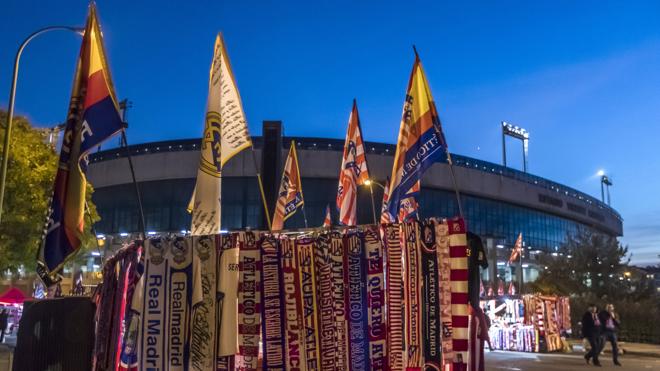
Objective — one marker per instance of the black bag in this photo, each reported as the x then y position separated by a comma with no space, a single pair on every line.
55,334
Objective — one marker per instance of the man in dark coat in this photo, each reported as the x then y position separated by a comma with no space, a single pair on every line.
591,330
609,324
4,319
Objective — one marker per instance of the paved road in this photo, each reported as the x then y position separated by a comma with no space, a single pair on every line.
514,361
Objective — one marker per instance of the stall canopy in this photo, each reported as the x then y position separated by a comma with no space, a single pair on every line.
12,296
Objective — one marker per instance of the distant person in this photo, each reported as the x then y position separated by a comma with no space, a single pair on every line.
591,330
610,324
4,318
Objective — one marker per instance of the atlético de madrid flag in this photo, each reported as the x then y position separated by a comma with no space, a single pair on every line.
92,118
290,196
225,135
353,170
420,142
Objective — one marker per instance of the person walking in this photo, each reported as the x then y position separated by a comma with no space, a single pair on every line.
610,324
4,318
591,330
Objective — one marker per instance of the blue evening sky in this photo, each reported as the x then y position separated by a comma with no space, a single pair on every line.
582,76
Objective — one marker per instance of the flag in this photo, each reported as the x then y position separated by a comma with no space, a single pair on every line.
225,135
353,170
517,250
420,142
327,223
408,207
500,287
512,288
290,195
93,117
385,216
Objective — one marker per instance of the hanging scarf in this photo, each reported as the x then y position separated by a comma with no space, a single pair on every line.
228,273
128,360
339,300
444,272
153,328
459,291
431,324
412,296
355,275
376,294
293,307
249,304
304,248
326,319
203,336
393,272
179,302
273,305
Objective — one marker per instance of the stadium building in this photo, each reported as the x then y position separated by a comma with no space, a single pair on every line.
498,202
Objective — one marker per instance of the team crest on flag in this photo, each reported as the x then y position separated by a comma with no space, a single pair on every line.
420,142
225,135
93,117
290,195
354,171
408,207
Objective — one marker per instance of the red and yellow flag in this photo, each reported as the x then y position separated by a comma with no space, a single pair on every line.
290,195
420,142
93,117
354,171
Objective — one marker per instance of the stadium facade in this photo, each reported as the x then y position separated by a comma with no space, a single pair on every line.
498,202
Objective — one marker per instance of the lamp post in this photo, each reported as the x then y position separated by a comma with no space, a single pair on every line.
12,95
369,183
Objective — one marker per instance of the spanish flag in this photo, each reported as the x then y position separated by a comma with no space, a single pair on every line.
290,196
517,250
225,135
420,142
93,117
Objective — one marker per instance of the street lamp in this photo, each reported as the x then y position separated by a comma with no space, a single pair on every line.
12,95
369,184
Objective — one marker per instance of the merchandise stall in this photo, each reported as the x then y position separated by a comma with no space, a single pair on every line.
12,301
528,323
306,300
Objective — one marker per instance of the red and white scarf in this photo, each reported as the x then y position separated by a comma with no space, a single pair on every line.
394,287
249,304
376,294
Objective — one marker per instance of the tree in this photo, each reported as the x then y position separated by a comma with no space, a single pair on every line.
29,186
591,262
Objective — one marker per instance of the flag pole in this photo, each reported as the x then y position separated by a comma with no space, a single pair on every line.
125,105
373,207
261,189
455,183
520,283
304,215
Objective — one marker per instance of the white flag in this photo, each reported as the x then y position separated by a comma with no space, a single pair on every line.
225,135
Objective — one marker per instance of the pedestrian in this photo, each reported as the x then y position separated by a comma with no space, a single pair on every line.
591,330
4,318
610,324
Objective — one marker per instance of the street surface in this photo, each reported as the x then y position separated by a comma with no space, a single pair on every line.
515,361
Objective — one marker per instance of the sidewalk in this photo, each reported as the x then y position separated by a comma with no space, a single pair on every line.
5,357
638,349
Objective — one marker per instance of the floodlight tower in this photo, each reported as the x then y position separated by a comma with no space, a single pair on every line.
518,133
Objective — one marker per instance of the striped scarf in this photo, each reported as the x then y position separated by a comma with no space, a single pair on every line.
356,302
393,272
459,291
376,294
249,304
273,306
412,296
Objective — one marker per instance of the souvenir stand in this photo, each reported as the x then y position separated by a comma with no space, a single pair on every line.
527,323
312,300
